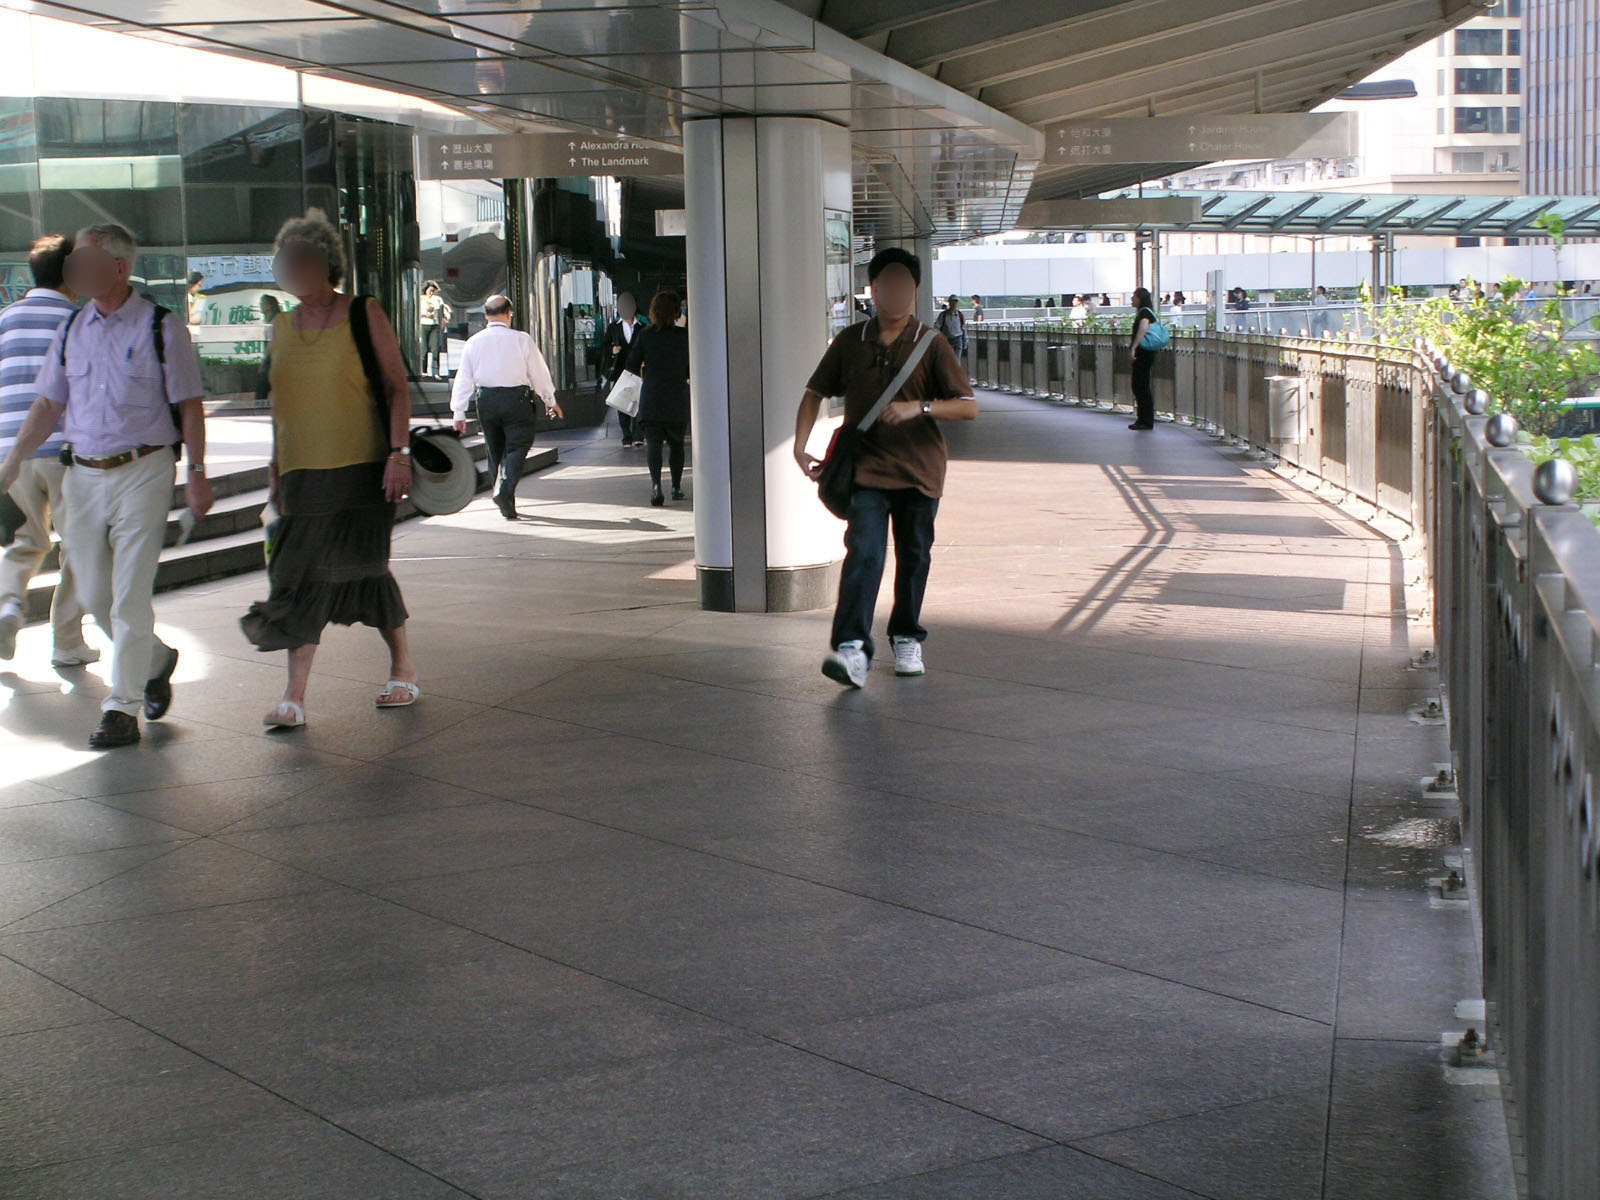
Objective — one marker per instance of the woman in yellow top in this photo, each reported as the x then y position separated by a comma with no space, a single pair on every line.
337,470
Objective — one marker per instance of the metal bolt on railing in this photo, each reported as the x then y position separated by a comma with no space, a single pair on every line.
1429,713
1471,1049
1453,885
1425,661
1501,430
1555,481
1443,781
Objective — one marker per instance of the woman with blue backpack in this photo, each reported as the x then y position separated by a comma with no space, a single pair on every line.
1150,336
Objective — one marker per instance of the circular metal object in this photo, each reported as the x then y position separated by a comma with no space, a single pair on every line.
1501,429
1555,481
1477,402
1461,383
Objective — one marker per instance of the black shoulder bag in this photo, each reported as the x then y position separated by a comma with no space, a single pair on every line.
838,478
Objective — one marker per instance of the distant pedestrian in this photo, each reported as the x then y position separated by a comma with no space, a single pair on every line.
1145,318
660,357
953,326
27,328
505,370
618,342
435,333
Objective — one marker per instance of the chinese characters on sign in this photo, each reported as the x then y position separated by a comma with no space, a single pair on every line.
1201,138
540,155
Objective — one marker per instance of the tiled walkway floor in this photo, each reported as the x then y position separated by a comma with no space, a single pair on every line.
1125,899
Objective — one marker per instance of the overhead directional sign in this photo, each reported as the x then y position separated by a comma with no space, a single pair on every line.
1200,139
1119,213
541,155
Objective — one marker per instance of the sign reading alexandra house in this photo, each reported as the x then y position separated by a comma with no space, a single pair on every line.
540,155
1201,139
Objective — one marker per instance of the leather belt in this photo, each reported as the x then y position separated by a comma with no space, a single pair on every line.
116,460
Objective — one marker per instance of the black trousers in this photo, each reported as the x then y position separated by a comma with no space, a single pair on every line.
1144,393
626,423
507,417
656,432
433,349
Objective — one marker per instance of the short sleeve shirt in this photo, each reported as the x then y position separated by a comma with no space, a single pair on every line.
909,455
116,392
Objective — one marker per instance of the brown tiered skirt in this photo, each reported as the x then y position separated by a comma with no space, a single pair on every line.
330,559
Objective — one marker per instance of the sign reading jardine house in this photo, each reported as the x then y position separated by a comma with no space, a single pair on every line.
540,155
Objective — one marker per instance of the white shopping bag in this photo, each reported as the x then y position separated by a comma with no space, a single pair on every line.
624,395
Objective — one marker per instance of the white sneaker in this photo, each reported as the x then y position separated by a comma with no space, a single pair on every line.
10,622
908,656
848,664
77,656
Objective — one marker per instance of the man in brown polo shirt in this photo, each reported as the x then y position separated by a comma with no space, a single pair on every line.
900,468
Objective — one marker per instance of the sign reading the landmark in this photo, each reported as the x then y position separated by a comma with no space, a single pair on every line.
1119,213
539,156
1200,139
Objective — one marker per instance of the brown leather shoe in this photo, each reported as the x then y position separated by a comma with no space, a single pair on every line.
116,729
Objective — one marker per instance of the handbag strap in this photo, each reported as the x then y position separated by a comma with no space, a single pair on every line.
899,381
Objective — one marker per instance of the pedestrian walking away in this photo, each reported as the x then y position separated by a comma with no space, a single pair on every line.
27,328
900,466
660,357
341,459
503,368
124,376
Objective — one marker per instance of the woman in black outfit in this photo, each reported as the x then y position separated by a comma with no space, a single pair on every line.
660,356
1144,396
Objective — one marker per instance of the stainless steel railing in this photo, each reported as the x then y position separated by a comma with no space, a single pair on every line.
1514,571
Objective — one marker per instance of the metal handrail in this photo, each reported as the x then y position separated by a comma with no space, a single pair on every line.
1513,570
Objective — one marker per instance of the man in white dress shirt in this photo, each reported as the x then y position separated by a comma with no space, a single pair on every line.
504,368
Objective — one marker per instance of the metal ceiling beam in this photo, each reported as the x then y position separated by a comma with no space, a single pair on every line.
1279,222
1477,221
1157,32
1132,76
1250,210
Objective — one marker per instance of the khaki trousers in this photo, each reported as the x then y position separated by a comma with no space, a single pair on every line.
116,522
38,495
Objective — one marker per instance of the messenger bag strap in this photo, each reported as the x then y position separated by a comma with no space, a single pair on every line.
899,381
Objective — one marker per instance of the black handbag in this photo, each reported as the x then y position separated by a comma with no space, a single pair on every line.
837,480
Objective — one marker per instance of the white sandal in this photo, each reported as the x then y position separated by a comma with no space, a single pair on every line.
288,715
412,691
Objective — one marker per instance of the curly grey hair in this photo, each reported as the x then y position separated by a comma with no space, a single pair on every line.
315,230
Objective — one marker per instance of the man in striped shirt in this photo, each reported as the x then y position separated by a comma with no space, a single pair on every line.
26,331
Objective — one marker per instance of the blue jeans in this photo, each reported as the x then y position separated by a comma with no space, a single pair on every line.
873,513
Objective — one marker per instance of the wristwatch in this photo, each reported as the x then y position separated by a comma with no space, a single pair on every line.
197,468
400,450
927,408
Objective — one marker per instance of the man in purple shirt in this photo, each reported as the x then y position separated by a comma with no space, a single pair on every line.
126,401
